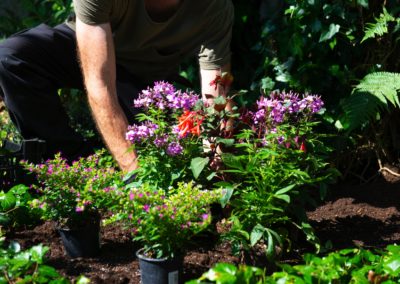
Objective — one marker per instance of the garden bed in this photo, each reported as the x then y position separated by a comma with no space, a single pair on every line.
358,215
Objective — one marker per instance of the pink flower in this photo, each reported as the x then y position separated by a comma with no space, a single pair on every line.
146,207
79,209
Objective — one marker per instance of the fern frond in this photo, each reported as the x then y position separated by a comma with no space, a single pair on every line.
380,27
359,109
373,95
383,85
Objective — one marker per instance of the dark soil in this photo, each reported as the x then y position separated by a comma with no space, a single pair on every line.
362,215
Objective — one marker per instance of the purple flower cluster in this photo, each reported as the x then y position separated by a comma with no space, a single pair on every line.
161,141
139,133
164,95
280,106
174,149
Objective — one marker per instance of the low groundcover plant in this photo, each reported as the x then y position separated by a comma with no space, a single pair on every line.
164,222
71,194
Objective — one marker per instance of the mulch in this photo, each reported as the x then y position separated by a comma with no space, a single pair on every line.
353,215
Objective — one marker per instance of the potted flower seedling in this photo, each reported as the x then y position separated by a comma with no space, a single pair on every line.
164,222
73,196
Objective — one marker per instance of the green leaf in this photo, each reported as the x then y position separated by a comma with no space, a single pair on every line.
394,249
48,271
38,252
392,265
285,189
83,280
328,34
363,3
227,142
197,165
256,234
14,246
19,189
4,219
227,191
7,201
283,197
270,246
211,176
232,161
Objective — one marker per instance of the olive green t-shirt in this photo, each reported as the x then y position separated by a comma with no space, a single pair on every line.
153,50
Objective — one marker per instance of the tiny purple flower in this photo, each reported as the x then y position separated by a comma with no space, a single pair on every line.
174,149
204,216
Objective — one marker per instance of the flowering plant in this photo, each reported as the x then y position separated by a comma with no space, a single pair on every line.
171,132
277,153
72,194
165,221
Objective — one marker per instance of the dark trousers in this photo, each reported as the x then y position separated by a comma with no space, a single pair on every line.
34,64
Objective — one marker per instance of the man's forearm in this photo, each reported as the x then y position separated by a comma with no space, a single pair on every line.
96,52
112,125
209,92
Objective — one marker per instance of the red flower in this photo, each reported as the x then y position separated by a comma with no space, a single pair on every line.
189,122
224,81
303,147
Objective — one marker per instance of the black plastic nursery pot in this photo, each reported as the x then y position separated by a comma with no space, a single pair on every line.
160,271
81,242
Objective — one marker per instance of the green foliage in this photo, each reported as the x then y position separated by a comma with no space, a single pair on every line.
224,273
7,129
314,46
381,25
78,111
383,85
344,266
26,266
15,209
375,94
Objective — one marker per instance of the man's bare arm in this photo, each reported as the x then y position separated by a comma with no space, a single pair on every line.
96,52
210,92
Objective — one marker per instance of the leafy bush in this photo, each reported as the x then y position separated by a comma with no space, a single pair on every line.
15,209
164,221
345,266
69,193
27,266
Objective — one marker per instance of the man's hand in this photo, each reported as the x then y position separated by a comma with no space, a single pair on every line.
97,56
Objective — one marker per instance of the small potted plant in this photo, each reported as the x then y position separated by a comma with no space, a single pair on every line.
73,196
164,222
